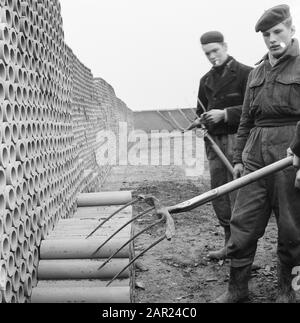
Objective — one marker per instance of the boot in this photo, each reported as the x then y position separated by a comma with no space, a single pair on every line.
221,254
238,291
286,294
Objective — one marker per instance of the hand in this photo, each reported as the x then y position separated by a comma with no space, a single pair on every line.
238,171
214,116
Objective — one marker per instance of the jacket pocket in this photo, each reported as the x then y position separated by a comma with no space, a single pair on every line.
256,86
286,93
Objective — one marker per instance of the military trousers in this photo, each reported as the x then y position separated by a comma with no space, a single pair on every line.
256,202
220,175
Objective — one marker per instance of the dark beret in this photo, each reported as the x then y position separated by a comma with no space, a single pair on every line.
273,17
212,37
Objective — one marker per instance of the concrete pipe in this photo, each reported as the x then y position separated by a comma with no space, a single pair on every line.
11,175
36,257
18,256
10,197
25,249
16,217
9,92
12,54
21,42
4,247
21,295
14,132
27,228
7,294
21,233
5,16
16,114
19,62
16,22
4,156
19,194
34,222
31,241
7,221
10,265
24,26
104,199
97,295
34,278
13,239
22,126
80,249
26,169
80,269
24,186
7,111
19,93
3,275
2,93
2,186
29,263
12,153
1,227
4,33
21,151
16,281
13,38
10,74
23,271
28,205
20,174
2,71
28,285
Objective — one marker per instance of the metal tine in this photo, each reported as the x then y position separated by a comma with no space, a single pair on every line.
124,226
113,215
136,258
128,242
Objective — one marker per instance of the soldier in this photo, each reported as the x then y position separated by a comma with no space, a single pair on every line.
270,113
221,94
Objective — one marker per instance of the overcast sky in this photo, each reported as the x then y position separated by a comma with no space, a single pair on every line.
149,50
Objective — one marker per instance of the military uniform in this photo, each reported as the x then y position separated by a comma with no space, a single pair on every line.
271,111
270,114
223,88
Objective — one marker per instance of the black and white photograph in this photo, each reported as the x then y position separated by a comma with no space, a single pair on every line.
149,155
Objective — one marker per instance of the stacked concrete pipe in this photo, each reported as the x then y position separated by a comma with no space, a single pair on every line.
49,119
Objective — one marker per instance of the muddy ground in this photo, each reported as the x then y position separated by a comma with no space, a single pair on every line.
179,271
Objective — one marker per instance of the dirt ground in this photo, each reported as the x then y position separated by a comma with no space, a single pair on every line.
179,271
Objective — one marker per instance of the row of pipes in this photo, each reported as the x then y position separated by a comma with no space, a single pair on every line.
50,112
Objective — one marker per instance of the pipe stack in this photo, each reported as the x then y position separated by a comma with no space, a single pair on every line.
69,268
38,158
49,119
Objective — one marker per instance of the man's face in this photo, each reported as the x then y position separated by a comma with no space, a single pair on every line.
216,53
278,39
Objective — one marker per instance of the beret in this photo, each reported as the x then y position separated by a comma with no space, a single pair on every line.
212,37
273,17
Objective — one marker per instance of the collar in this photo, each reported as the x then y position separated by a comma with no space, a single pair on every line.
227,63
292,51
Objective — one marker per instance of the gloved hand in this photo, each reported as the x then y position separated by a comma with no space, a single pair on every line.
238,171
